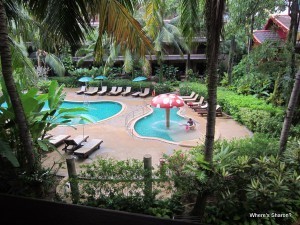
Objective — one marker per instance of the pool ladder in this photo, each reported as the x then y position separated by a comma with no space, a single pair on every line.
141,110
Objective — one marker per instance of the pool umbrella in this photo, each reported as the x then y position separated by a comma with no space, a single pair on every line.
167,101
101,77
140,78
82,119
85,80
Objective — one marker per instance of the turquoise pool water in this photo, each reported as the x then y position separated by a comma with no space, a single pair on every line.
154,126
95,110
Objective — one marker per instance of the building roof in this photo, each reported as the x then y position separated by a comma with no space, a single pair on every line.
261,36
282,21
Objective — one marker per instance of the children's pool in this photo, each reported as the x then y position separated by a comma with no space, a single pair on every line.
154,126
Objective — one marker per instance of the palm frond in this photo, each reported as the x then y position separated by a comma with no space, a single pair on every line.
189,17
20,61
146,66
128,61
66,19
88,56
6,151
154,18
55,63
85,50
117,22
112,55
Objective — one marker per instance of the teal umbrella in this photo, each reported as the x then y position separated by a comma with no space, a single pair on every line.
101,77
85,80
140,78
82,119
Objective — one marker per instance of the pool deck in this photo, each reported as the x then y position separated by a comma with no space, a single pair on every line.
120,141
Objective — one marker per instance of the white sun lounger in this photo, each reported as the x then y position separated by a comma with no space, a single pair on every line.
82,90
88,148
126,92
188,96
58,140
72,144
93,91
103,90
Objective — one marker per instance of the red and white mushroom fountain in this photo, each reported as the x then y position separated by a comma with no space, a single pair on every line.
167,101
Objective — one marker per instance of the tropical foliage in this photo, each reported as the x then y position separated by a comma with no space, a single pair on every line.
220,181
43,113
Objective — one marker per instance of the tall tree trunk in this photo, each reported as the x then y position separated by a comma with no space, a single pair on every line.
231,59
251,34
159,62
289,114
292,38
296,88
188,63
6,63
214,22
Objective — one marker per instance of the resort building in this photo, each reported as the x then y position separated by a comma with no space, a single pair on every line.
276,29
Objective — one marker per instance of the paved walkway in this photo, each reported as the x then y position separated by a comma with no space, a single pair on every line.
119,141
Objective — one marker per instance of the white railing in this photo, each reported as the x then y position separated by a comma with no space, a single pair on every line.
129,117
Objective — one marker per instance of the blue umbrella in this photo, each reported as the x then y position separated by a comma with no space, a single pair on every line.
101,77
85,80
140,78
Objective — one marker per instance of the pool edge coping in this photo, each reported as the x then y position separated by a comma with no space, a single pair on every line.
99,121
133,121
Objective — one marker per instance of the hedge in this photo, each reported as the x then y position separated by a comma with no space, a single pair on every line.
254,113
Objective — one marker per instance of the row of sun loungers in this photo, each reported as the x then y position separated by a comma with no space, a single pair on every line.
114,91
80,145
200,106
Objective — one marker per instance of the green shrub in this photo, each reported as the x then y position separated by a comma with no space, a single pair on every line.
81,72
69,82
250,111
162,88
245,177
255,146
119,185
43,85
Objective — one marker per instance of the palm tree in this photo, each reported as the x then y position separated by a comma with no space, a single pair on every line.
189,25
66,20
292,37
214,10
7,72
160,31
214,22
117,22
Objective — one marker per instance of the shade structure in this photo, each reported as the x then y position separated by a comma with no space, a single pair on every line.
140,78
85,79
81,119
100,77
167,101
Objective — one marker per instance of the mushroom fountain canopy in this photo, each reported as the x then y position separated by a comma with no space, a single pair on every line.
167,101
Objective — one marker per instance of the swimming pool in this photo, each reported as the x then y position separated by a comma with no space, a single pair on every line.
96,110
154,126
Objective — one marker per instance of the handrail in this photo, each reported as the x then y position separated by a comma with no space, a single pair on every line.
141,110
